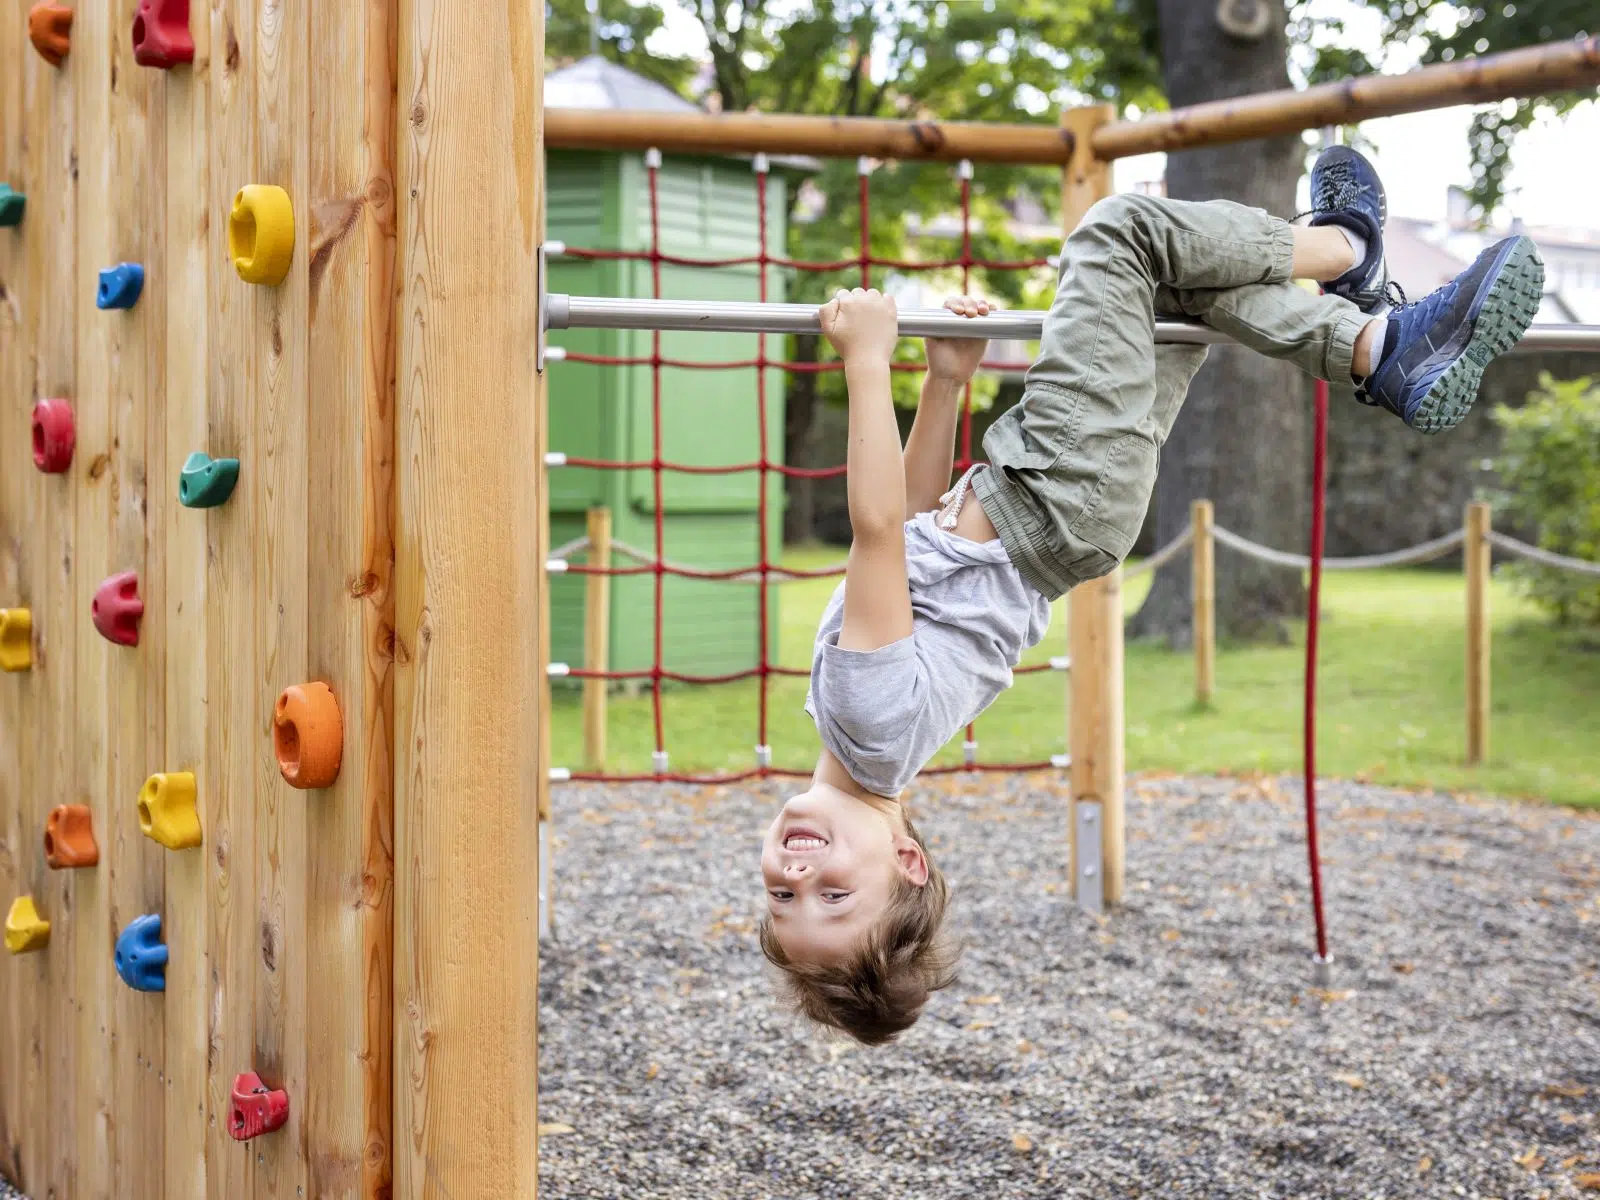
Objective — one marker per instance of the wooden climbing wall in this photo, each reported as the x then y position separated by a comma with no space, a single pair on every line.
280,926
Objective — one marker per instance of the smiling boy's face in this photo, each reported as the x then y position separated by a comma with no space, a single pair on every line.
830,864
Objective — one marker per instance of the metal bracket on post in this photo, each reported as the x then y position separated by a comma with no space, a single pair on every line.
541,283
547,926
1089,886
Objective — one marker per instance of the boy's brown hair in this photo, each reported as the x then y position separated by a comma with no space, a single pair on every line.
878,991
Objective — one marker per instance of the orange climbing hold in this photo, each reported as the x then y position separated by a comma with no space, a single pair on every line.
26,930
167,811
69,838
308,735
16,639
50,27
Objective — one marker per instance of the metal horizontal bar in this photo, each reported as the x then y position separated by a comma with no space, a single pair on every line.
722,316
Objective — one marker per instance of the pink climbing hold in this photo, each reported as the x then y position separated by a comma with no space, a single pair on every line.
256,1108
161,35
117,609
54,436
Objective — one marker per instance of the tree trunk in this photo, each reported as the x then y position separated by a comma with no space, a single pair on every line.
1243,437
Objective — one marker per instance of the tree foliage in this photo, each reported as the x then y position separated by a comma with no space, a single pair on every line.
1441,32
1549,468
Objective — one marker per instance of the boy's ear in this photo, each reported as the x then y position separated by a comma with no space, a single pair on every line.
913,862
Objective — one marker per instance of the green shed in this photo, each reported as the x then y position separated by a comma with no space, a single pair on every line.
708,209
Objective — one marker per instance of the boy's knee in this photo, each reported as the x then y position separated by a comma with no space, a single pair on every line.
1123,217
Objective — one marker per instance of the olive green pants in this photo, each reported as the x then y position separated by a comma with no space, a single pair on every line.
1073,465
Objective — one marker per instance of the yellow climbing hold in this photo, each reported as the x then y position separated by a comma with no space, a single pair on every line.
26,930
16,639
261,233
167,811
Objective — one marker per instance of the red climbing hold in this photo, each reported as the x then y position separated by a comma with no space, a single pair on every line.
256,1109
161,34
53,436
117,609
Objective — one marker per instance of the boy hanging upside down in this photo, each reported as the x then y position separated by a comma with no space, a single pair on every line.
944,590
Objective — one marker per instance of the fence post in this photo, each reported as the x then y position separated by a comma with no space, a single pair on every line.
596,638
1094,629
1203,581
1475,552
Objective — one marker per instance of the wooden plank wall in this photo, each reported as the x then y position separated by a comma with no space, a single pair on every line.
470,758
280,925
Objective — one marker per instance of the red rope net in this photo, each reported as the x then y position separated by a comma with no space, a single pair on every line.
765,571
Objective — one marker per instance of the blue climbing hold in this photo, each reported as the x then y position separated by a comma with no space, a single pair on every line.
142,956
120,286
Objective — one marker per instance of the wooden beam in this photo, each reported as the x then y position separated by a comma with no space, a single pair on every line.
783,133
1477,563
1535,70
469,574
1532,71
1084,178
1204,594
1094,628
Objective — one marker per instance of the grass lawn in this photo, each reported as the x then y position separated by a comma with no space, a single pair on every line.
1391,692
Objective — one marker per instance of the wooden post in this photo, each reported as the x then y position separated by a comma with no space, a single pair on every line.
1475,552
596,638
1094,627
470,766
1203,579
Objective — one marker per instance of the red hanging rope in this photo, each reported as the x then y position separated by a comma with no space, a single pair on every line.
763,750
654,172
1319,497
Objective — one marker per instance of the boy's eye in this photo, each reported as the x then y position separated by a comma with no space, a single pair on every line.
835,897
779,894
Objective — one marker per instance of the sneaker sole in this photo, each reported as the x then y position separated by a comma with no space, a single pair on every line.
1507,307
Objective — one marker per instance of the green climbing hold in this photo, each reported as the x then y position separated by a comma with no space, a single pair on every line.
11,205
207,482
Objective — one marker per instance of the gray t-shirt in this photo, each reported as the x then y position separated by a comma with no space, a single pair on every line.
884,713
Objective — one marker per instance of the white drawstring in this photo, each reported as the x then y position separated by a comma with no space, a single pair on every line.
959,495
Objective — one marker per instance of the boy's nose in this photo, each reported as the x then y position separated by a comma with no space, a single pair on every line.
795,870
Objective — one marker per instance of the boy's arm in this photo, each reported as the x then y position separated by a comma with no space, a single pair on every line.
931,447
861,325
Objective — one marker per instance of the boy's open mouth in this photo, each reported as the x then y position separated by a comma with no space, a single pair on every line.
797,840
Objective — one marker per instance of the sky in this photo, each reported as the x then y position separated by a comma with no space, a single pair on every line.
1555,175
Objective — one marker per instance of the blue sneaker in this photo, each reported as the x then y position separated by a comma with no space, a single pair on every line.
1345,190
1436,348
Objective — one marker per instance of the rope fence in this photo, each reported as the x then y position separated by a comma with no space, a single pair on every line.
1475,539
1545,558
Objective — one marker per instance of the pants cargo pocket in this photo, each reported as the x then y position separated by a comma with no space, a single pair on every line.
1111,520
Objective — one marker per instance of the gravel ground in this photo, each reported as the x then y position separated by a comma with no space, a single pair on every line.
1181,1047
